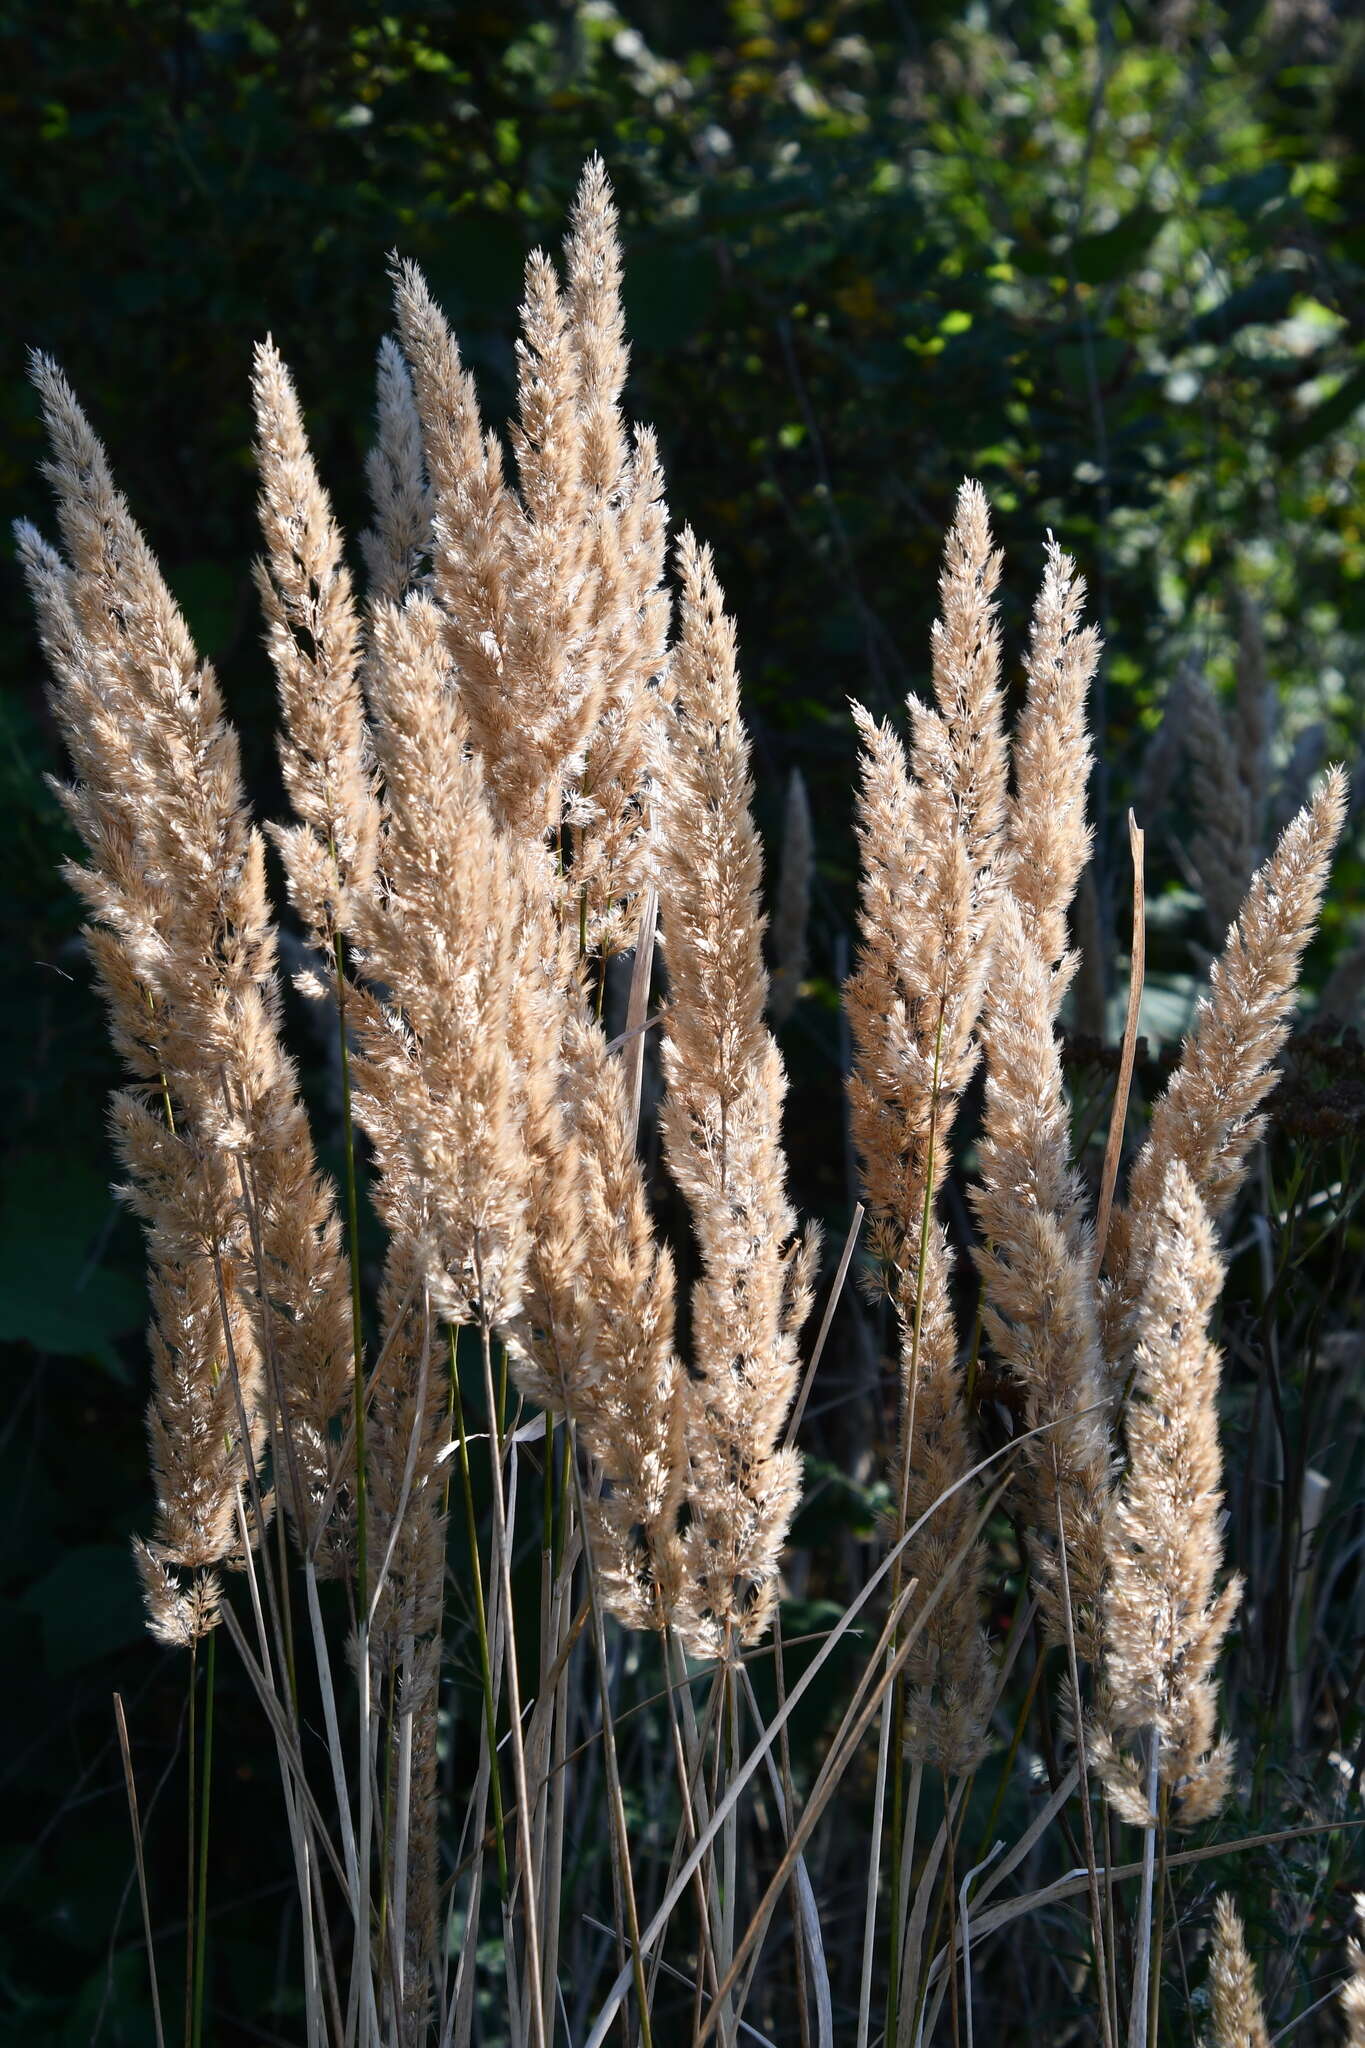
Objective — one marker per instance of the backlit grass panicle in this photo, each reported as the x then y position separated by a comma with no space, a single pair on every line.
1048,837
437,1091
436,946
397,547
958,746
313,637
1037,1256
592,254
791,917
472,512
1208,1118
438,1086
722,1130
551,1337
633,1417
1164,1619
930,832
212,1130
1236,2015
950,1667
1036,1263
552,592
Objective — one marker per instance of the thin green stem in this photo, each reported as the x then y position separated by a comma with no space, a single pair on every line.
480,1617
201,1920
903,1516
191,1755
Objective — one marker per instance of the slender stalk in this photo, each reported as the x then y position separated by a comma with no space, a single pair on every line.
1096,1916
907,1452
614,1798
353,1249
191,1754
130,1785
206,1790
502,1546
480,1620
1138,2010
1159,1934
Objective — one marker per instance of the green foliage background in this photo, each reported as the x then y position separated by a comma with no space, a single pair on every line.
1109,258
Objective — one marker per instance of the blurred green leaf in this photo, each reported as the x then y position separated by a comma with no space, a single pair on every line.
58,1291
1099,259
1249,191
88,1605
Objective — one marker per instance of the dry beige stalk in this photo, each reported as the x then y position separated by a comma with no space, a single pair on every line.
242,1231
722,1129
1237,2017
1164,1622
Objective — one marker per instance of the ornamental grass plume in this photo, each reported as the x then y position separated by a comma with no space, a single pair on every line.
1164,1620
250,1335
552,593
931,827
438,1091
551,602
314,641
398,545
1037,1264
1037,1259
441,1097
1237,2018
1208,1117
722,1133
1047,834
